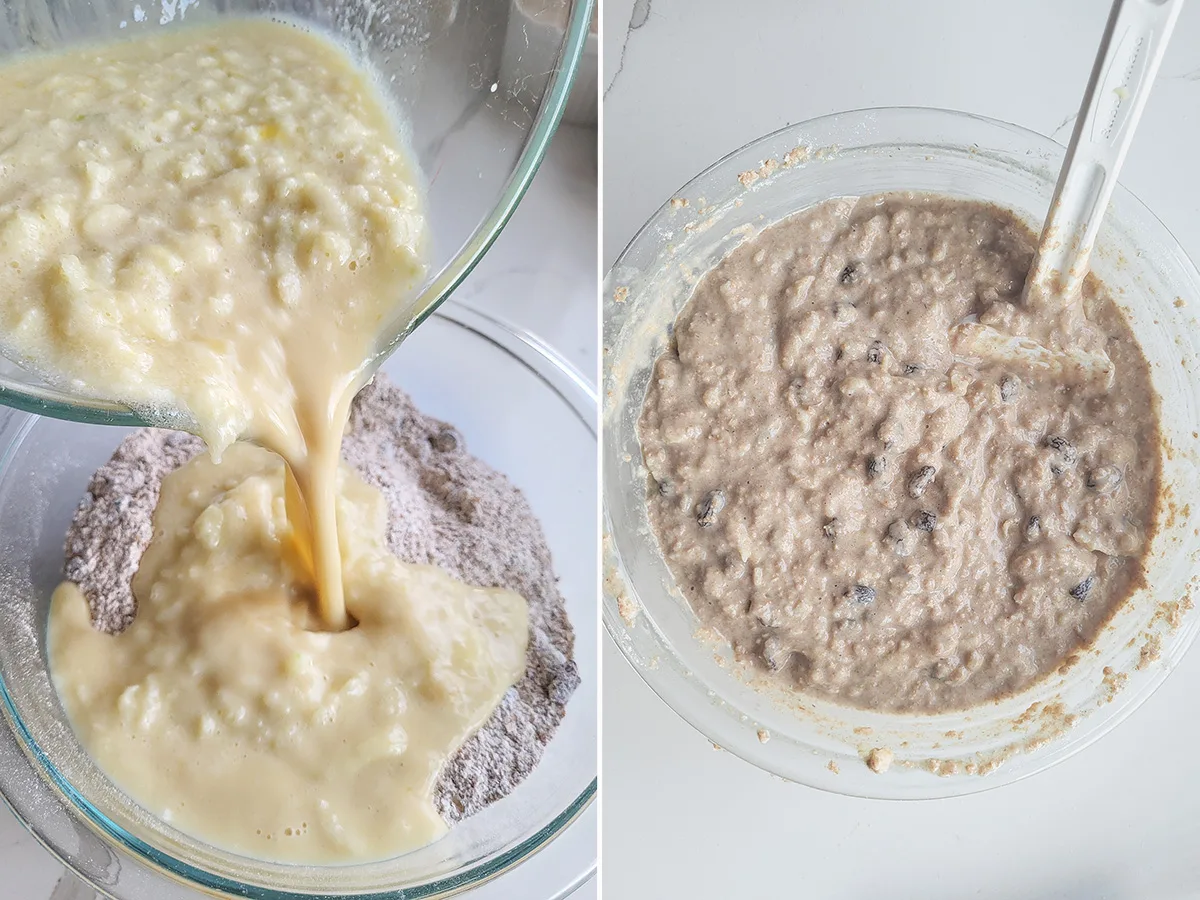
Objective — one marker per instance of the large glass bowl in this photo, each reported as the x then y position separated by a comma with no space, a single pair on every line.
520,408
477,136
820,743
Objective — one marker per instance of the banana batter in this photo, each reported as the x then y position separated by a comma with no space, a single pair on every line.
222,711
217,222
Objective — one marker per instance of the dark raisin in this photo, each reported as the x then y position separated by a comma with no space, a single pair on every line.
838,354
862,594
875,353
1080,591
876,465
710,508
445,441
1033,528
1064,448
1009,386
666,488
920,480
912,369
831,528
1104,479
849,274
924,520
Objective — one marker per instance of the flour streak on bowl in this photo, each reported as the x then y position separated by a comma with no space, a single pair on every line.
814,741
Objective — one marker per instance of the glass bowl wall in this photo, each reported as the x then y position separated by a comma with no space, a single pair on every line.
478,138
820,743
497,385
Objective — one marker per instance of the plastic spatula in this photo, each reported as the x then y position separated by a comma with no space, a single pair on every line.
1130,53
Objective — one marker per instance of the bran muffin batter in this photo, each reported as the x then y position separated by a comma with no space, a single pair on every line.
863,511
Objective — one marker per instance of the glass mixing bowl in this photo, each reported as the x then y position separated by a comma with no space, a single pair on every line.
498,385
478,138
820,743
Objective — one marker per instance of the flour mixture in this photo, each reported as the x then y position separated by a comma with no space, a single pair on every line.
863,513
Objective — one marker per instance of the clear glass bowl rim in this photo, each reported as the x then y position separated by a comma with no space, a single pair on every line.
682,692
40,770
49,401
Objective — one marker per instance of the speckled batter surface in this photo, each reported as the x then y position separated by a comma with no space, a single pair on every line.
868,516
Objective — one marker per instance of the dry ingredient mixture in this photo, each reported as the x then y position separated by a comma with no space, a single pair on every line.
444,508
866,514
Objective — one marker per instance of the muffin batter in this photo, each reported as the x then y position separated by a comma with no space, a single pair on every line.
861,509
218,223
224,713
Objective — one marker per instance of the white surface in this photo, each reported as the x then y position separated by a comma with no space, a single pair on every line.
697,79
541,275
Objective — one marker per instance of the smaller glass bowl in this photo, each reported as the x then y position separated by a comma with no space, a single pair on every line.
499,386
478,139
817,742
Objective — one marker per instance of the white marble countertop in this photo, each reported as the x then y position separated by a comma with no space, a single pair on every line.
540,275
696,79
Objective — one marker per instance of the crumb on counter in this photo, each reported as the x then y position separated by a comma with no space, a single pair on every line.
879,760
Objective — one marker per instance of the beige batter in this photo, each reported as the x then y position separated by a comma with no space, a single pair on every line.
222,713
217,221
867,515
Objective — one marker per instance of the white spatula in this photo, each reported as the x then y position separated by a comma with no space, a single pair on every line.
1131,50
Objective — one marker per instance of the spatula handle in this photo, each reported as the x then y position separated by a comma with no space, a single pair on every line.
1131,50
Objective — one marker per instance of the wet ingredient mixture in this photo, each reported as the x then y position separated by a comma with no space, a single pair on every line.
216,223
863,512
